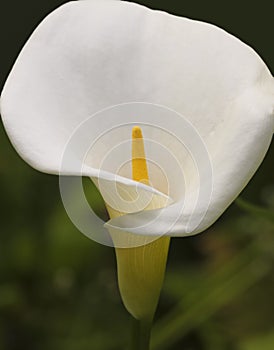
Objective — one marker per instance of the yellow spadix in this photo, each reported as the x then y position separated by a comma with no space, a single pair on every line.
141,269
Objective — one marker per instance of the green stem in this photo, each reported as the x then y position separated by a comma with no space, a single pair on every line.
141,331
135,335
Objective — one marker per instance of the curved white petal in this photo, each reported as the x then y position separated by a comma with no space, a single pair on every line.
88,56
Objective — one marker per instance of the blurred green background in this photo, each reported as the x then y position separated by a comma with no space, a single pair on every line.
58,289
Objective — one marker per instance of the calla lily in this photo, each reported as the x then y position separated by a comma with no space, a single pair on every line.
204,99
89,55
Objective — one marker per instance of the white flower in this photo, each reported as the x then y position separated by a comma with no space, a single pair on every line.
88,56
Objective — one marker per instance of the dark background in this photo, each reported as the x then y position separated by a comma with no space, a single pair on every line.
58,289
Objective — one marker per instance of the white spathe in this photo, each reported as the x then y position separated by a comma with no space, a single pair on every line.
88,56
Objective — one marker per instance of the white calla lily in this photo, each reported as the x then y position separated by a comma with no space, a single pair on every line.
88,56
205,101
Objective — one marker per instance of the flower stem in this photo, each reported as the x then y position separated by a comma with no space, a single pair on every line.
141,331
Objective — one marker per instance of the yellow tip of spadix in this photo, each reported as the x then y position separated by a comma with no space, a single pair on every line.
137,133
139,164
